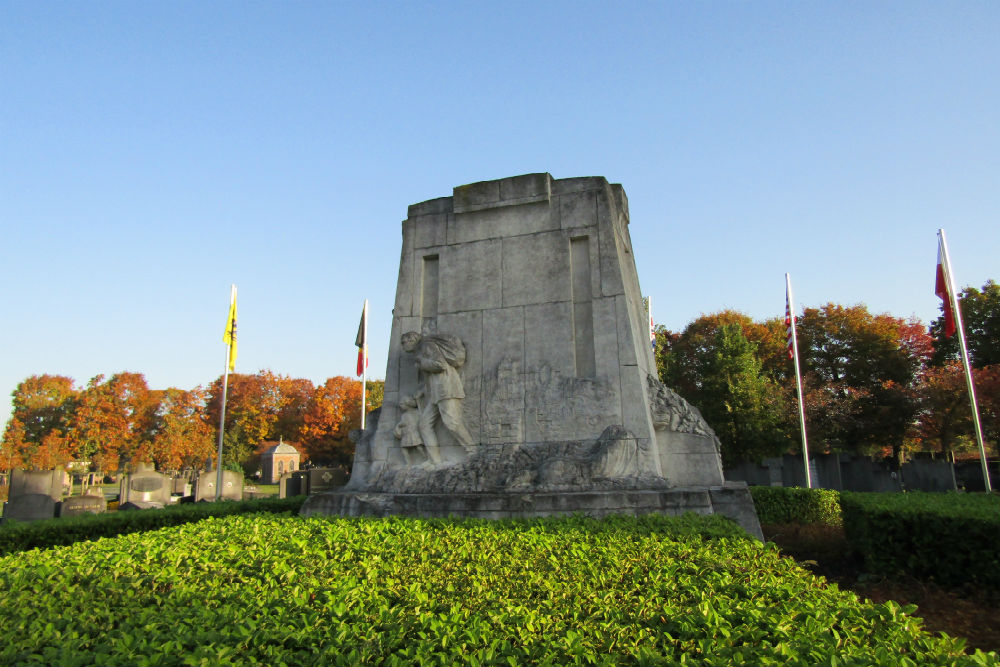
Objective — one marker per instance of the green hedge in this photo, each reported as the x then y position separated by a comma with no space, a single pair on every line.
950,538
281,590
776,504
19,536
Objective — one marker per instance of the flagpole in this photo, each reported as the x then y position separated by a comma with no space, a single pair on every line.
364,366
798,378
960,327
222,412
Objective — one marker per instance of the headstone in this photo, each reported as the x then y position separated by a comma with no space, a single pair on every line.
322,480
232,486
180,486
33,494
144,489
520,378
290,484
85,504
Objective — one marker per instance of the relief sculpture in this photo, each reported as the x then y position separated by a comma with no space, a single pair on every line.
438,358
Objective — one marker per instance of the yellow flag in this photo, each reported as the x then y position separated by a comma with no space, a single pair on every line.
230,336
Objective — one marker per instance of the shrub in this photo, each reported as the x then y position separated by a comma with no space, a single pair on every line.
20,536
776,504
281,590
950,538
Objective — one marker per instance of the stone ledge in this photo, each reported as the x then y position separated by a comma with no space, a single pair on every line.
730,500
526,189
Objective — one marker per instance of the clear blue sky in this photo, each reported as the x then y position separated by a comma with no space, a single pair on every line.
153,153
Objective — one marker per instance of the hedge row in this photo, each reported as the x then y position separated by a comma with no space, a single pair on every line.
777,504
274,590
953,538
20,536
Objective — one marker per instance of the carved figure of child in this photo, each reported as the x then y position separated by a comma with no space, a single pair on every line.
408,432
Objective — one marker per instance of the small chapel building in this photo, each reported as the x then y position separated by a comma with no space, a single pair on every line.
277,460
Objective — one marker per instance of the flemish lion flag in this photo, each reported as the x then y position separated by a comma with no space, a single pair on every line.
229,338
362,340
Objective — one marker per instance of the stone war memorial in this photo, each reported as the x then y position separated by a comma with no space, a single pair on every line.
520,380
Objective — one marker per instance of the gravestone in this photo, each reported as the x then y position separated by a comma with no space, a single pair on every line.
87,503
34,494
322,480
144,489
232,486
289,485
520,379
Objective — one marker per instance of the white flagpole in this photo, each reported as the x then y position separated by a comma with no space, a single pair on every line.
222,412
798,378
364,361
960,327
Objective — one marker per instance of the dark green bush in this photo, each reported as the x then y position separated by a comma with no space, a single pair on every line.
777,504
281,590
21,536
950,538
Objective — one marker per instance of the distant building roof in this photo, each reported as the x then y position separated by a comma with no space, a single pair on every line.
282,448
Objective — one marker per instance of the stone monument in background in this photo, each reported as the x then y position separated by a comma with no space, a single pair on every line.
520,378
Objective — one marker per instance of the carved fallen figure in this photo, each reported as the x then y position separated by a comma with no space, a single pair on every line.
531,387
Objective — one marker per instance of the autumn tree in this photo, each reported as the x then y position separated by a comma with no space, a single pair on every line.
112,421
181,434
295,395
678,354
861,371
333,412
981,319
35,436
736,396
253,404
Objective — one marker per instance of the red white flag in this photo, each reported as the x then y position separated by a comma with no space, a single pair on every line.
788,324
942,287
362,340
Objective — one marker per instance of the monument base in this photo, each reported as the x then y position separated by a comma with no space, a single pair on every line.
731,500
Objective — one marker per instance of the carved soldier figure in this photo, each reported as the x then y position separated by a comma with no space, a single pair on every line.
438,357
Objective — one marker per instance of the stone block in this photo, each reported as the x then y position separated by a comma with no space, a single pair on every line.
548,336
475,196
529,188
578,210
470,277
536,269
430,230
689,459
496,223
430,207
